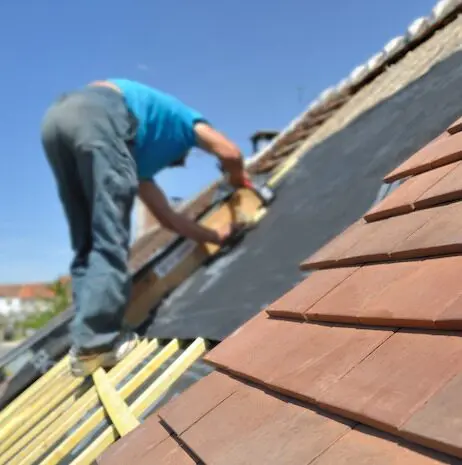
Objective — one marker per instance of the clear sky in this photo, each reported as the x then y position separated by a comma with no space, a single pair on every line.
244,64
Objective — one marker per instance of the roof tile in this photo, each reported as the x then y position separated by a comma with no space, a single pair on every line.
447,189
451,316
354,296
455,127
135,444
418,298
303,296
437,423
404,199
192,405
421,234
383,236
441,151
363,446
303,359
168,452
419,294
396,380
329,253
421,161
440,236
254,427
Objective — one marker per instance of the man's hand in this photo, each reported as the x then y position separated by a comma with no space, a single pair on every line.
153,197
240,179
224,233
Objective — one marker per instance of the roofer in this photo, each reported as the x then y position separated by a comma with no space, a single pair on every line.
104,144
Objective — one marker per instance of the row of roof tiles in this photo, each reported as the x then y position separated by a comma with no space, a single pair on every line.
359,363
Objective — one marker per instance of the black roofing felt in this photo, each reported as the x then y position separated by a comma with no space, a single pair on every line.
331,187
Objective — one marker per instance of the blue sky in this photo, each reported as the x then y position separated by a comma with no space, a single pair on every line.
244,64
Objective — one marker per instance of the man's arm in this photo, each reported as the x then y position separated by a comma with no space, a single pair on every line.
154,199
227,152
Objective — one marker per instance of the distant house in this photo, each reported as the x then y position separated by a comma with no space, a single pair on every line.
20,299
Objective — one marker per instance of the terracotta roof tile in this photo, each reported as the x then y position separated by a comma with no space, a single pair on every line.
443,150
415,193
301,358
328,254
383,237
420,162
371,242
447,189
396,380
302,297
168,452
380,295
442,235
437,423
363,446
132,447
347,302
252,426
455,127
420,297
182,412
421,234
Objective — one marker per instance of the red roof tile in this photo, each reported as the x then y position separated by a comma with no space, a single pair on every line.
300,358
380,295
134,446
437,423
254,427
446,189
302,297
328,255
352,297
455,127
181,413
441,151
364,446
417,163
372,242
439,236
416,193
397,379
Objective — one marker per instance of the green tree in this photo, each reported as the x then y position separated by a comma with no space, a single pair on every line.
57,303
61,299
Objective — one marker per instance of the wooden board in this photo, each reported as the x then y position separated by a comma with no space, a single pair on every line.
244,205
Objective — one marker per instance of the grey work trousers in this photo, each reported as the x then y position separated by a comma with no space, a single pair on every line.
87,136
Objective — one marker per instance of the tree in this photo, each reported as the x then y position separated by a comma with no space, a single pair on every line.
59,301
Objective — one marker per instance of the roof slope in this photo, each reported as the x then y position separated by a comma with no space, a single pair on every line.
333,184
360,363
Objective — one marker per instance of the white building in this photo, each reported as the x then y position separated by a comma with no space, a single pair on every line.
17,300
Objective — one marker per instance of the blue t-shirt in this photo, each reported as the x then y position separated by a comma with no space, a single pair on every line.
165,126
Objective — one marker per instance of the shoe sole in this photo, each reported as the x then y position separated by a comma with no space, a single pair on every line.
106,360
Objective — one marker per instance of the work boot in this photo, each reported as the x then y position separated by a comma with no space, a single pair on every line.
85,364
